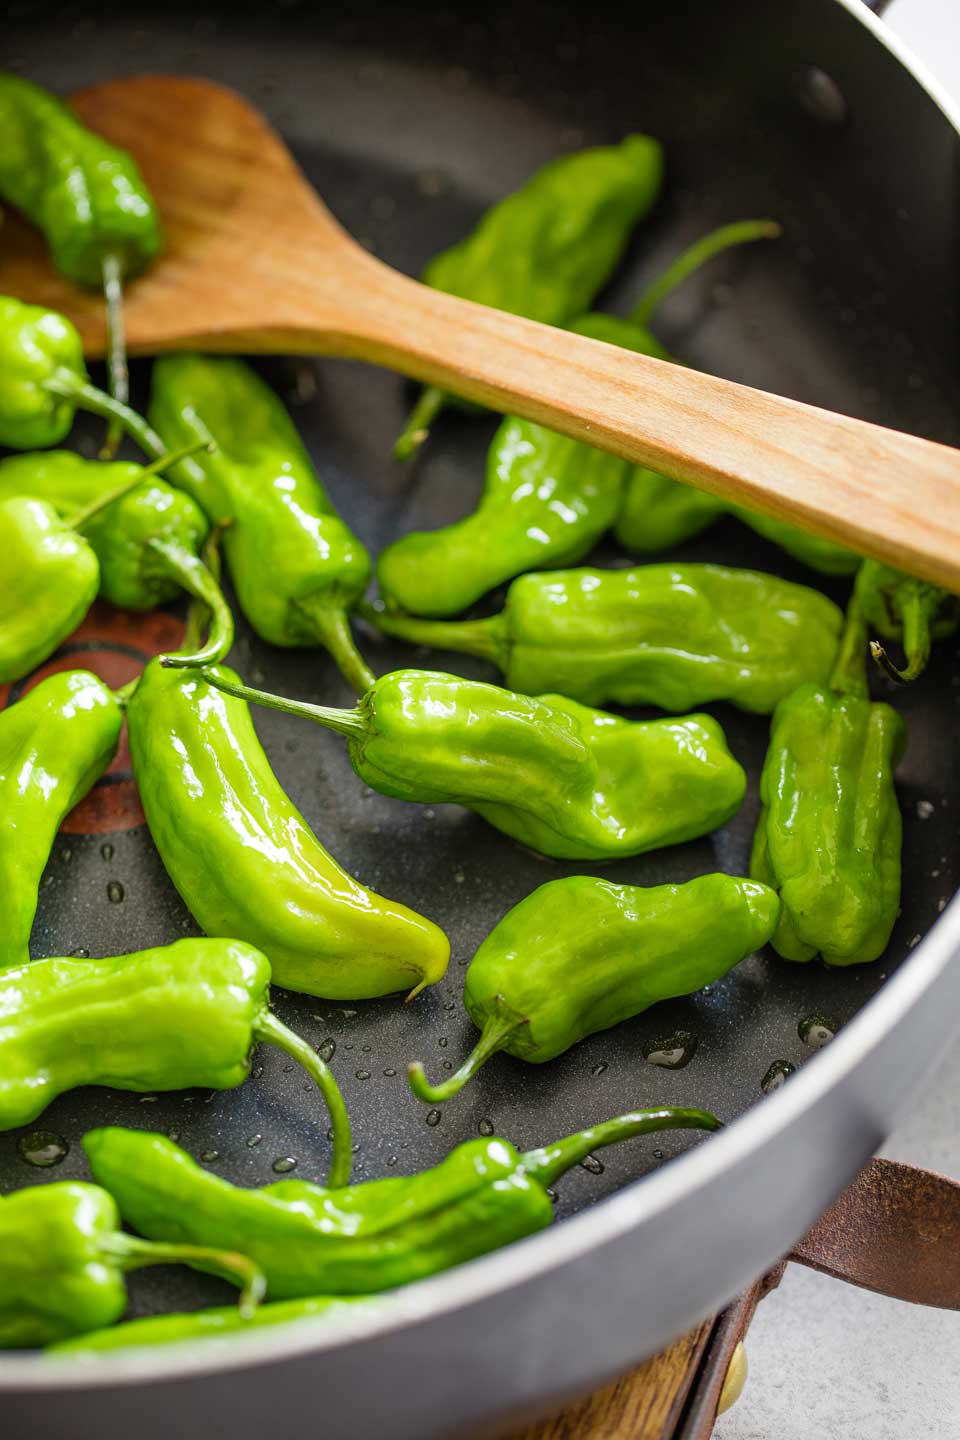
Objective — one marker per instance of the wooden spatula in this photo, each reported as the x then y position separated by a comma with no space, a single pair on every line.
256,263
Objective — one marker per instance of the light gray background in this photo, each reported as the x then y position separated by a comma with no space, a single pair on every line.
828,1362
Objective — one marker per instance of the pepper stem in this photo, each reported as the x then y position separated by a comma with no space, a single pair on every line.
418,424
132,1253
552,1161
741,232
496,1030
351,723
849,674
274,1032
82,517
916,605
87,397
333,631
124,695
484,638
190,572
116,350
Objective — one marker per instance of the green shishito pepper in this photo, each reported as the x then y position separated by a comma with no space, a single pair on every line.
829,835
43,382
547,499
568,781
296,567
221,1323
55,744
309,1239
912,613
675,636
71,526
244,859
63,1257
580,955
545,250
164,1019
86,196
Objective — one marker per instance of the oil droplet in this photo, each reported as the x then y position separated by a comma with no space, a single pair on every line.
208,1156
81,953
485,1127
448,1065
42,1148
429,814
450,1005
464,961
552,1195
390,1070
817,1030
114,892
284,1165
443,1042
330,1133
458,877
257,1071
106,850
391,1161
66,854
173,1135
433,1117
253,1141
779,1071
671,1052
658,1154
289,1069
591,1163
148,1099
599,1068
925,809
366,1049
363,1074
327,1050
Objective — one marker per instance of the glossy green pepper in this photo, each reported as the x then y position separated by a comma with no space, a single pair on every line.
829,834
146,534
547,499
367,1238
63,1257
55,743
676,636
50,580
545,250
223,1322
295,566
568,781
580,955
244,859
913,613
164,1019
43,382
86,196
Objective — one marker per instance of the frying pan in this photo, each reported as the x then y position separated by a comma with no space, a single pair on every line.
410,120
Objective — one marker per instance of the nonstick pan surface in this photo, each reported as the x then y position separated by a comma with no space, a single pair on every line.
410,121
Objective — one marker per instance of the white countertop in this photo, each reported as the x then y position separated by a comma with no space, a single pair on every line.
828,1361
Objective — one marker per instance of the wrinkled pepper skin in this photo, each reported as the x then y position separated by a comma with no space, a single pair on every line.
567,781
133,575
296,568
310,1240
580,954
55,743
63,1258
910,612
43,381
87,197
829,835
223,1322
676,636
163,1019
244,859
50,580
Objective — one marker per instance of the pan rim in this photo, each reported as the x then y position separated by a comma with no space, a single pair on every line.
608,1219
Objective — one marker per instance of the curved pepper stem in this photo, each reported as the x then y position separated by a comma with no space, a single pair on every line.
492,1037
132,1253
916,606
190,572
80,518
116,350
484,638
849,674
271,1030
552,1161
351,723
421,417
332,628
87,397
741,232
